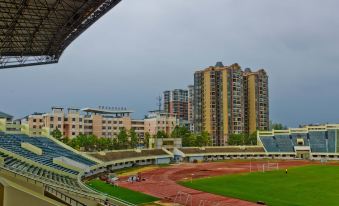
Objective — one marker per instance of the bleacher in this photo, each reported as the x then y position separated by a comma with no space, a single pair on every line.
34,172
118,155
331,141
222,150
318,142
284,143
278,143
270,144
303,136
12,143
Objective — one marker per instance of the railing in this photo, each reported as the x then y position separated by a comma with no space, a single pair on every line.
64,198
116,200
35,180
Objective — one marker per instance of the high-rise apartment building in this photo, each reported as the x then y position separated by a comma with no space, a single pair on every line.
191,106
223,98
176,102
256,100
179,103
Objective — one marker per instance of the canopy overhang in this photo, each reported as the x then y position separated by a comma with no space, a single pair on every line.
35,32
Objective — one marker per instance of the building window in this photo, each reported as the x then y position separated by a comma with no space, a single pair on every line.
59,118
73,126
73,119
51,126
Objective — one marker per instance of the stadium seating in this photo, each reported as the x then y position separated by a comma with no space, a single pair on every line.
278,143
270,144
111,156
300,136
50,150
331,141
318,141
222,150
284,143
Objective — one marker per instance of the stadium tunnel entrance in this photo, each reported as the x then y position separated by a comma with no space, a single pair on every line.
303,152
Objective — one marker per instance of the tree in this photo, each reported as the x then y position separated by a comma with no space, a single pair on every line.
236,139
87,142
123,139
277,126
180,132
56,134
189,140
251,139
242,139
205,139
103,143
146,139
161,134
134,139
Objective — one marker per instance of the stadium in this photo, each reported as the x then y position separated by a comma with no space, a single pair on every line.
297,166
44,171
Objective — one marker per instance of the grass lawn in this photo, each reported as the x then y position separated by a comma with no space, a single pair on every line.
303,186
121,193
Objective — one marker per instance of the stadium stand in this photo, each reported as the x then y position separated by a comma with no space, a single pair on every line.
303,136
12,143
332,141
119,155
37,172
222,150
318,141
270,144
284,143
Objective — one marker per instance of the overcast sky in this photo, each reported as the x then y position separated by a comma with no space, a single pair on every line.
143,47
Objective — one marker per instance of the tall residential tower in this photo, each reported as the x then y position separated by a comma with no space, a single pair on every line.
224,98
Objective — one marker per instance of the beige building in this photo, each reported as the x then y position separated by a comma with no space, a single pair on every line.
160,121
256,101
102,122
228,101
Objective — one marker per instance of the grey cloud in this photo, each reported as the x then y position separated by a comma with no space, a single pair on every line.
143,47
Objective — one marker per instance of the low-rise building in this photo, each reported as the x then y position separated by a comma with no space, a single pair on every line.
160,121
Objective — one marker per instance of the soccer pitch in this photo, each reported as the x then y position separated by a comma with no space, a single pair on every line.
303,186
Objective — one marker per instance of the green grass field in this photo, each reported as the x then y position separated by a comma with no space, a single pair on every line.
121,193
303,186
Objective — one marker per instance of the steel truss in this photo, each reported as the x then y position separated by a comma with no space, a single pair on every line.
35,32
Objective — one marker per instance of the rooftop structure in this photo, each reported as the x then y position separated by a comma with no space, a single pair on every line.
116,111
38,32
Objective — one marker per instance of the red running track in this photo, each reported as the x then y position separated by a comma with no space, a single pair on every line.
162,182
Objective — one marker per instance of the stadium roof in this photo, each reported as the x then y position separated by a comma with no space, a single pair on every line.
4,115
35,32
104,110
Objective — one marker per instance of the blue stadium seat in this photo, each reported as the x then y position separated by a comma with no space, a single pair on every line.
50,150
331,141
318,141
